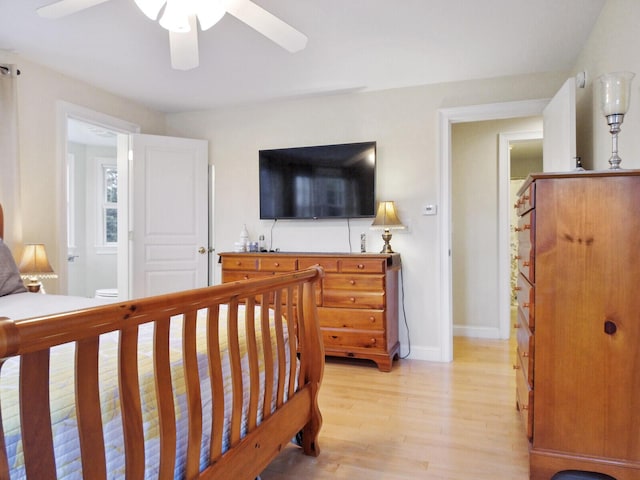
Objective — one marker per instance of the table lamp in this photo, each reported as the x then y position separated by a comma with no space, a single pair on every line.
615,93
387,219
34,266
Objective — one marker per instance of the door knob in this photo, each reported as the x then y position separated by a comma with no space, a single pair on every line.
202,250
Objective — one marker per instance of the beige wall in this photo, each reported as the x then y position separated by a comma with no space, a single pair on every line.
612,46
474,206
39,90
404,122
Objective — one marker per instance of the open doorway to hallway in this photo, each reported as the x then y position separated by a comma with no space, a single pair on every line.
477,180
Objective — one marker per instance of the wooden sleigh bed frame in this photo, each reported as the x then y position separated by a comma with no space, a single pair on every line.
292,309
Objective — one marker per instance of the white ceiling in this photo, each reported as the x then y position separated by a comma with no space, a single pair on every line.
353,45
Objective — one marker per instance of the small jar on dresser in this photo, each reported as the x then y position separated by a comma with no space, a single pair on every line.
578,335
357,299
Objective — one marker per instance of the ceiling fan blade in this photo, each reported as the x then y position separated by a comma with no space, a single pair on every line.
184,47
66,7
267,24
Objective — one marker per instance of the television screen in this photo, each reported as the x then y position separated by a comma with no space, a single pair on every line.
327,181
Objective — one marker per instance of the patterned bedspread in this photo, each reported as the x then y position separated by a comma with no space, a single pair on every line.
62,391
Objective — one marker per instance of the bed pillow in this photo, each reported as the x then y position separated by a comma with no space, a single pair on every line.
10,281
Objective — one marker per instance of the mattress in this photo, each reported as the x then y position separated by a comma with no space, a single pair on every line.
64,425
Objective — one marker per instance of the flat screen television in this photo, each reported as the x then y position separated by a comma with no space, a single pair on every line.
325,181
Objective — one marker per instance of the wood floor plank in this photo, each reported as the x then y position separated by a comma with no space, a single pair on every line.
423,420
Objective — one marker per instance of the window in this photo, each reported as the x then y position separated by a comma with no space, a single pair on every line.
109,205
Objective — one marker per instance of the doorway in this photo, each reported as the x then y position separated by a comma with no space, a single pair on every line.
448,117
86,156
92,209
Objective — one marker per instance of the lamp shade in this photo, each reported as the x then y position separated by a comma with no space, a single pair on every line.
387,217
34,262
615,92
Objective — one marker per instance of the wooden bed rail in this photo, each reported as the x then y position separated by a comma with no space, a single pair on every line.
296,407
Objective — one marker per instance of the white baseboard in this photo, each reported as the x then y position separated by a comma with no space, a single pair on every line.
476,332
429,354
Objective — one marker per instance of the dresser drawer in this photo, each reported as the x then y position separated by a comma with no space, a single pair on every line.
526,301
343,338
328,264
277,264
342,281
234,276
526,201
524,399
239,263
525,351
354,298
351,318
362,265
526,245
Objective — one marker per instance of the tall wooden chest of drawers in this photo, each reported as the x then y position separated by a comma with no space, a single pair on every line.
357,301
578,370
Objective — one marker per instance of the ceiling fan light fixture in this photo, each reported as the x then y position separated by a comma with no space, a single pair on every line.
209,12
176,17
151,8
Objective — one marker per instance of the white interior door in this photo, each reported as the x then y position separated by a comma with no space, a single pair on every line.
169,226
559,127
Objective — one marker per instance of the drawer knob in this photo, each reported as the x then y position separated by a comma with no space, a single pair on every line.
516,325
352,299
373,341
276,264
525,354
610,327
352,282
516,367
517,229
372,319
238,262
517,289
526,263
526,304
360,266
527,226
524,407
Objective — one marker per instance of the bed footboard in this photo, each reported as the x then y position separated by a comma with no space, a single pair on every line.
234,369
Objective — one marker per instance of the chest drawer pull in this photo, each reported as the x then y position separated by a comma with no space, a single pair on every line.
516,367
610,328
276,264
352,282
352,299
360,266
526,304
526,263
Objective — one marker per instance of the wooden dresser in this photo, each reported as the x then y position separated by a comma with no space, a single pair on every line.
357,302
578,336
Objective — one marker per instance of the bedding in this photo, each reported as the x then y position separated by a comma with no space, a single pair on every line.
62,388
10,280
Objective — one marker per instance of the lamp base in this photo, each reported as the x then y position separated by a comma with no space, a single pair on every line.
386,236
614,121
33,287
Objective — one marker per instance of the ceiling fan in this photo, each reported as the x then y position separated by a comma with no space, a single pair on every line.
181,18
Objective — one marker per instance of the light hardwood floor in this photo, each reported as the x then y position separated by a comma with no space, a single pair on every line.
426,420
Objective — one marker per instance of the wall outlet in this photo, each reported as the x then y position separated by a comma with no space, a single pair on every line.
429,210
